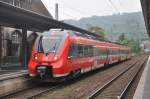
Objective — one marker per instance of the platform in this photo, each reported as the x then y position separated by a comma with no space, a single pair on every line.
8,74
13,80
143,88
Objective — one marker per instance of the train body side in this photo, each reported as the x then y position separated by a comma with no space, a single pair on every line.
74,55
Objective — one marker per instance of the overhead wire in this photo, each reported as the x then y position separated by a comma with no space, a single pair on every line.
72,17
113,5
74,9
81,12
66,14
121,5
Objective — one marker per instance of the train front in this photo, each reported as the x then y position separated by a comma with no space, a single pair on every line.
48,56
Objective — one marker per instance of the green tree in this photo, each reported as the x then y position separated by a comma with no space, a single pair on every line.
121,37
98,30
133,44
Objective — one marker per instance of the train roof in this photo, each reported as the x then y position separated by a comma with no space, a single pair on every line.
54,32
79,35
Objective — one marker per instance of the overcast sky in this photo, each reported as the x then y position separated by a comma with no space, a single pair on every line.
76,9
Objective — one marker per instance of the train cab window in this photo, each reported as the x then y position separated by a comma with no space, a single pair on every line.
40,48
72,51
49,44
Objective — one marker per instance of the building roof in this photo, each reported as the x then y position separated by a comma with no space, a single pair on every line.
146,12
33,5
39,7
16,17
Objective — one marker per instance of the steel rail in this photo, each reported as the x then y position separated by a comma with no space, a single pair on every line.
121,96
45,91
13,75
36,92
98,91
32,97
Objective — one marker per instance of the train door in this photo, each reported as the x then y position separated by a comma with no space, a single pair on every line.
72,57
102,53
107,56
83,53
110,56
95,58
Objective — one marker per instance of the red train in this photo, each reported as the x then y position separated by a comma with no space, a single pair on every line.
60,54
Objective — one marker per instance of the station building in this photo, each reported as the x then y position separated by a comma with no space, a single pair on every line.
11,38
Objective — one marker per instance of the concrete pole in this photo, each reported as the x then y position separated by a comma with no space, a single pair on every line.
13,3
19,3
0,46
24,46
56,12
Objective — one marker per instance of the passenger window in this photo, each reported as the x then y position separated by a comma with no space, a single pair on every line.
80,50
86,53
91,51
103,52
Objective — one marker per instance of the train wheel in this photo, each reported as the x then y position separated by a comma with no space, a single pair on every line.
76,73
73,75
69,77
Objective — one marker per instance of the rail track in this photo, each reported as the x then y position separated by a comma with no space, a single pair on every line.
53,97
117,87
32,91
40,90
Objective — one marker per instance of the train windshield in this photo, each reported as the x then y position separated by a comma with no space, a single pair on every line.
49,44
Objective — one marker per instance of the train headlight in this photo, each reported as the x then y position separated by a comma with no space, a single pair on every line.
55,58
36,57
32,75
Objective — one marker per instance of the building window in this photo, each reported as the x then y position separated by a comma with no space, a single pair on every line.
16,3
16,43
